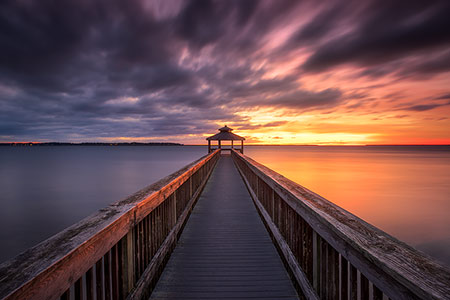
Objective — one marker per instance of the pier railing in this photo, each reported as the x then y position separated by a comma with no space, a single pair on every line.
333,254
117,253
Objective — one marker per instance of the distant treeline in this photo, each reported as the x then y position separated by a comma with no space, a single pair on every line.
89,144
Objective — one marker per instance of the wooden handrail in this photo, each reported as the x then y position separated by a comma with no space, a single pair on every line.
117,245
328,248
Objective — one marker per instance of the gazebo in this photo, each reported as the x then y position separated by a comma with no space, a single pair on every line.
225,134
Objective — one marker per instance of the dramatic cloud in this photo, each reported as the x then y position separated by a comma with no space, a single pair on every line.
425,106
84,70
389,30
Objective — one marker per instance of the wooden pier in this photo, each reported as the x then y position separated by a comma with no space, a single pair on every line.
225,251
223,227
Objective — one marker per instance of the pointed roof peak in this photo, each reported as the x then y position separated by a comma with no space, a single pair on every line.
225,129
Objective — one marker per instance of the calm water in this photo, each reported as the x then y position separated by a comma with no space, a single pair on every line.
402,190
46,189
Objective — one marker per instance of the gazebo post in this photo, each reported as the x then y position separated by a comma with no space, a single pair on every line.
209,146
220,145
232,146
242,146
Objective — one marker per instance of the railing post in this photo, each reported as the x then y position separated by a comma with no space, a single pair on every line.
191,192
174,209
98,280
272,196
127,261
316,259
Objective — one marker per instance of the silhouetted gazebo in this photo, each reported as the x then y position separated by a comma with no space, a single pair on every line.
225,134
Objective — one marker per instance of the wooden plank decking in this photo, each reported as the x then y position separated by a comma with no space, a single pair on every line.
224,251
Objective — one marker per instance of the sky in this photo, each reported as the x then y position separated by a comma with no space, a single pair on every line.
278,72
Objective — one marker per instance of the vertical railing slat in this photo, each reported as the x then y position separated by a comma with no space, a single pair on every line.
137,255
353,283
65,295
152,234
344,278
99,280
115,273
78,289
323,269
107,268
336,274
309,253
90,284
142,245
127,262
364,287
377,293
120,266
146,258
330,270
316,258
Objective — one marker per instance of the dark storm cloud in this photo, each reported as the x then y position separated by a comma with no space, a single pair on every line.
203,21
105,68
385,31
425,107
63,45
428,66
246,126
299,100
303,99
263,86
325,21
442,97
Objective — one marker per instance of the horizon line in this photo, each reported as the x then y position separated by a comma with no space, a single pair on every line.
253,144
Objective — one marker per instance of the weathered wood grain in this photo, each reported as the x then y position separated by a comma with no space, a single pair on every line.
48,269
399,270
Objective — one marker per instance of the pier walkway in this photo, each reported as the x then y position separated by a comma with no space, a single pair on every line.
224,252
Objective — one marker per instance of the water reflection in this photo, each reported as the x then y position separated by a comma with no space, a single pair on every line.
403,191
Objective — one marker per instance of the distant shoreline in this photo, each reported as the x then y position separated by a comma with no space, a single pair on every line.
26,144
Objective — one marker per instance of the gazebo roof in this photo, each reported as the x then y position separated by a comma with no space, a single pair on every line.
225,134
226,128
